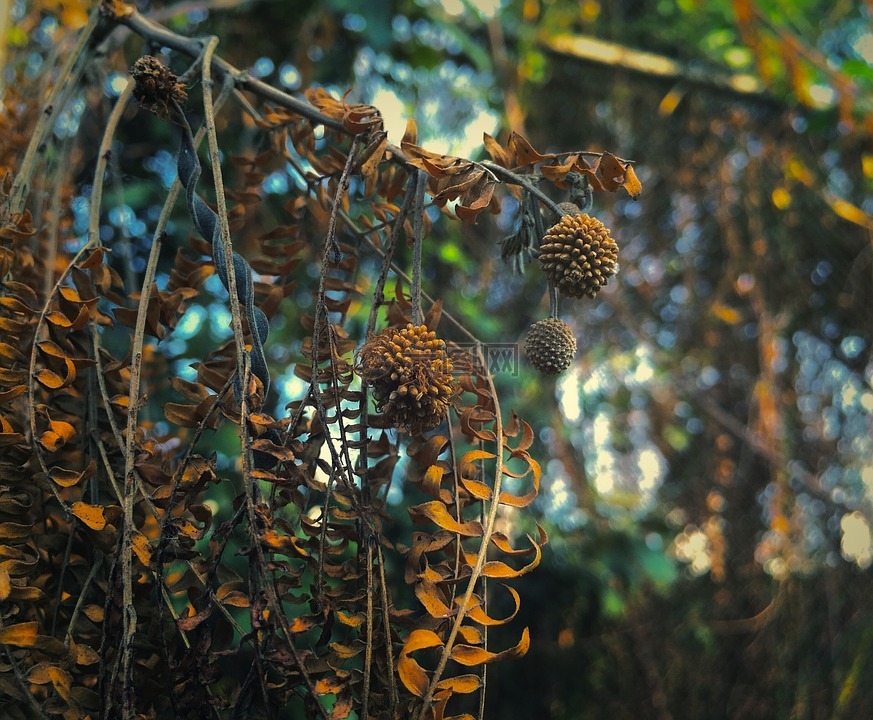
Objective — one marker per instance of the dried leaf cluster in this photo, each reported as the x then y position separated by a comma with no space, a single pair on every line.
124,590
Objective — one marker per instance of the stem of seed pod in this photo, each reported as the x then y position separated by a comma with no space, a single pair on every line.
418,233
553,300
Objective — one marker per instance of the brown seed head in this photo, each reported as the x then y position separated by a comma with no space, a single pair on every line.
411,376
550,346
157,87
578,255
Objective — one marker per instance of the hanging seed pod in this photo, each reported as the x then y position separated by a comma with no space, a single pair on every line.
411,376
567,208
550,346
578,255
157,87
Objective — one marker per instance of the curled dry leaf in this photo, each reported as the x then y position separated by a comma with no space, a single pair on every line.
470,656
412,675
20,635
92,515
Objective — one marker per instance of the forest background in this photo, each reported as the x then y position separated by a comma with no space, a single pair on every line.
708,457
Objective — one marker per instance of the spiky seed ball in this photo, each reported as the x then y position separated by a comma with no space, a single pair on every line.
566,208
411,376
578,255
550,346
157,87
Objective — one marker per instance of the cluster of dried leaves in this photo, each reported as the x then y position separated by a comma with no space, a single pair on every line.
121,593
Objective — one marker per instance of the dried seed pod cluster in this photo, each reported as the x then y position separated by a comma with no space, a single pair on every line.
578,255
157,87
411,376
550,346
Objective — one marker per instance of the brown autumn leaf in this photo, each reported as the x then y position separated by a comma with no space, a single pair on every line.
476,612
412,675
328,686
192,621
68,478
633,186
141,547
20,635
5,583
524,152
461,684
410,134
14,531
469,655
187,416
59,434
497,569
343,705
535,471
436,512
430,596
497,152
475,200
85,654
94,613
92,515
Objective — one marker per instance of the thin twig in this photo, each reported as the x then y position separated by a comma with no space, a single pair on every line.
394,698
483,549
418,238
65,83
515,179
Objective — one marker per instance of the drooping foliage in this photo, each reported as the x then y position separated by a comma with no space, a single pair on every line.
141,576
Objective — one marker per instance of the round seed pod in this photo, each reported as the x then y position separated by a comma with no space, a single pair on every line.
550,346
566,208
578,255
411,376
157,87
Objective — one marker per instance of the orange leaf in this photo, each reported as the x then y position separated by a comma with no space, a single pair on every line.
191,622
461,684
469,655
631,183
429,595
496,151
430,483
477,614
5,583
410,135
94,613
91,515
141,547
436,512
413,677
86,655
68,478
328,686
524,152
611,171
20,635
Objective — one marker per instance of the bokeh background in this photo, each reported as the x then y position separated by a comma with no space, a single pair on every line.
709,455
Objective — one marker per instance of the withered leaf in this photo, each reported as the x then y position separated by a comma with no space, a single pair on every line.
462,684
469,655
92,515
20,635
524,152
496,151
436,512
191,622
5,583
412,675
141,547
